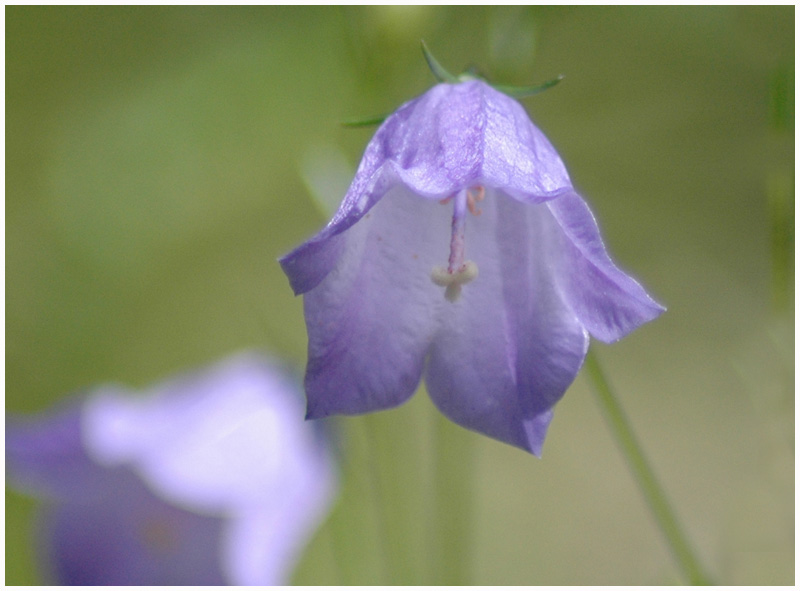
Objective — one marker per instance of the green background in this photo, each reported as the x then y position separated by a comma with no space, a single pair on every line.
154,163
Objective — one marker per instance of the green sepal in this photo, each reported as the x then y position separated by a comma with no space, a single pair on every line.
526,91
443,75
367,122
437,69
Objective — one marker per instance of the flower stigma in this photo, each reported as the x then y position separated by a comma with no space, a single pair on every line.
458,272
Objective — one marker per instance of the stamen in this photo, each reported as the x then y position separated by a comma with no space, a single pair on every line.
458,272
471,199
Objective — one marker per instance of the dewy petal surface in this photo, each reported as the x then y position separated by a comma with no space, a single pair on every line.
510,346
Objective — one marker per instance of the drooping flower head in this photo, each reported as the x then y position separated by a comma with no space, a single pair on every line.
211,478
461,251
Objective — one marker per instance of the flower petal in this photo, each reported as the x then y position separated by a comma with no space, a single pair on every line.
427,146
264,542
371,320
517,157
45,456
102,526
310,263
230,441
458,135
608,302
228,437
128,536
510,346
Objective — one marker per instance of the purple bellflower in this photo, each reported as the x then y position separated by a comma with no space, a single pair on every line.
461,251
211,478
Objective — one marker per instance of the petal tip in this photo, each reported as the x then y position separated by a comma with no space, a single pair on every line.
316,411
646,314
535,430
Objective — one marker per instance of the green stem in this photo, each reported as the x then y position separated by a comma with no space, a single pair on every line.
395,482
451,525
780,194
644,476
377,477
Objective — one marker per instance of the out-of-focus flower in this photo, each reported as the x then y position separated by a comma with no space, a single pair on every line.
210,478
460,250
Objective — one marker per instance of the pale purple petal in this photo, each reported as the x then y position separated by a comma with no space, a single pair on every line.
609,303
509,347
102,526
128,536
230,441
213,477
450,138
45,455
263,542
311,262
457,136
517,157
534,283
372,319
196,438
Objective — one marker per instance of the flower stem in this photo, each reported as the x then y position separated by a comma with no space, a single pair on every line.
396,486
451,525
780,194
644,476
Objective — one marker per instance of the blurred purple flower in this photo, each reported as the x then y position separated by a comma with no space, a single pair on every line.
211,478
462,250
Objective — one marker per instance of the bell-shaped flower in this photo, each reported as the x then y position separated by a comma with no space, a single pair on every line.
461,251
211,478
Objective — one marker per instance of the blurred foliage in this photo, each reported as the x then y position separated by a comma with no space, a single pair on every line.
153,176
